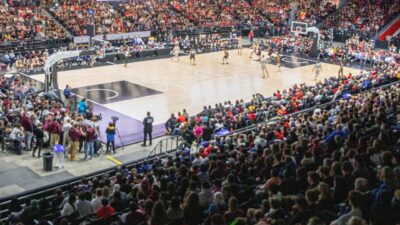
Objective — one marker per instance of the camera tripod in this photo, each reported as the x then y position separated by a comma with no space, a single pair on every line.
119,136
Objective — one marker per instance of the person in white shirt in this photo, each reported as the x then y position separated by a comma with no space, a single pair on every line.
66,138
69,207
96,202
83,206
205,195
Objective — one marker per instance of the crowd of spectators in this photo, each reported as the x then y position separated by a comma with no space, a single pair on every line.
277,12
291,44
75,15
313,12
230,116
363,51
334,165
30,121
27,23
166,15
363,17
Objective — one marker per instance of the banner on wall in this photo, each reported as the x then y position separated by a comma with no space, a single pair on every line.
112,37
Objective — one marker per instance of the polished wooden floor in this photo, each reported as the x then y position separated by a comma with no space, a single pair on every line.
190,87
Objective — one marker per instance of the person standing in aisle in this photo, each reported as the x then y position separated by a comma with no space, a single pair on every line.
148,128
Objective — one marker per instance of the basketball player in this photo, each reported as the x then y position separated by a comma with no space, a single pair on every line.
263,62
340,74
254,47
258,54
175,52
125,50
192,56
225,57
240,45
317,69
278,60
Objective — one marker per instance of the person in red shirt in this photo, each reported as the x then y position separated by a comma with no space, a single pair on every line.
105,211
181,118
55,131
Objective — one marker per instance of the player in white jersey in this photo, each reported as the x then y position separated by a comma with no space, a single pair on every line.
340,74
240,45
317,68
175,52
263,63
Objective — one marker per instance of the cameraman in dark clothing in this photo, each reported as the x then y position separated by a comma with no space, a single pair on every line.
39,134
148,128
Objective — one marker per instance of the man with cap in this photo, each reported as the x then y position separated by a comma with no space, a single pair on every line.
148,128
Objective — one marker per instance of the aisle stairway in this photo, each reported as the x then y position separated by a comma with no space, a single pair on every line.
48,14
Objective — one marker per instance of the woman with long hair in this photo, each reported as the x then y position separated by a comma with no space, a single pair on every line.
175,211
192,210
158,214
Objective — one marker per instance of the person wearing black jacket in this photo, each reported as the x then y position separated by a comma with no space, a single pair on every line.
39,134
170,124
148,128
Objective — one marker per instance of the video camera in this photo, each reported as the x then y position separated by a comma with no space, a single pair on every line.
114,119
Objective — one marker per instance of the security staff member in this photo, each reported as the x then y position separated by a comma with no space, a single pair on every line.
148,128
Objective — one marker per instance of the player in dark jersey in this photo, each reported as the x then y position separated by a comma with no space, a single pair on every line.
225,57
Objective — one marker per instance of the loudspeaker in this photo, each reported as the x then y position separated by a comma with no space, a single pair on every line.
90,30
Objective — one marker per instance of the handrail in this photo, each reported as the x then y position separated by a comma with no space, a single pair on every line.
164,146
33,93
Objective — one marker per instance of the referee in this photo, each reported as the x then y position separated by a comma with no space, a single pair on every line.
147,128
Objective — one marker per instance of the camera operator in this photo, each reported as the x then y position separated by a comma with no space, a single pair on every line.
110,131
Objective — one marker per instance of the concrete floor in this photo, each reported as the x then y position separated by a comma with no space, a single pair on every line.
19,173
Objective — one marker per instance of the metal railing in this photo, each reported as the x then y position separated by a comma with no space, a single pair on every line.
166,145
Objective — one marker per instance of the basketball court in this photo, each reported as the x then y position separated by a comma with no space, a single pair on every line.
164,86
161,86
